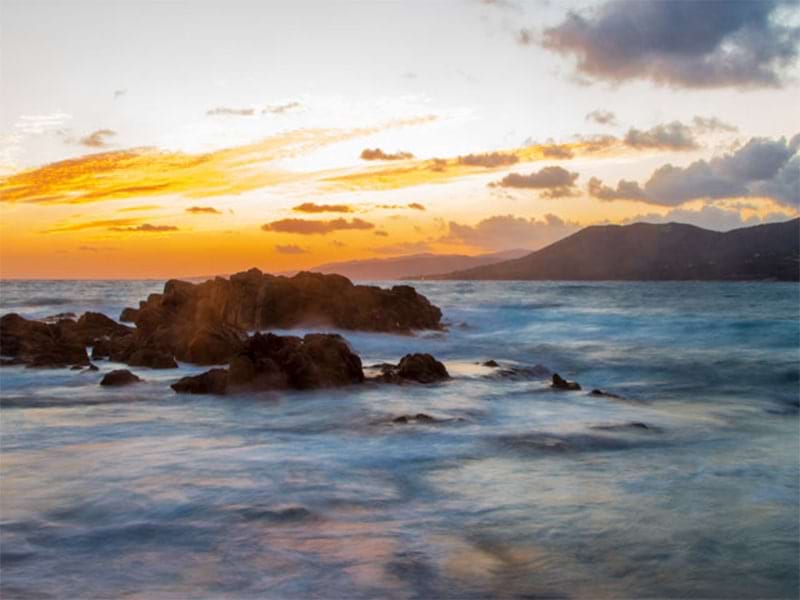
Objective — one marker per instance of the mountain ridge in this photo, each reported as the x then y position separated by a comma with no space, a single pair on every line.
656,252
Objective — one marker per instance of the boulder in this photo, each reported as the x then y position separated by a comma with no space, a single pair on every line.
92,325
119,377
214,381
559,383
269,362
419,368
38,344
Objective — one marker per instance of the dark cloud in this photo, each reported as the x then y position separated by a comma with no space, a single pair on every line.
290,249
416,206
625,190
119,93
556,151
681,43
602,117
146,228
504,232
556,181
670,136
760,168
201,210
311,207
381,234
97,139
303,227
378,154
225,111
712,124
488,159
279,109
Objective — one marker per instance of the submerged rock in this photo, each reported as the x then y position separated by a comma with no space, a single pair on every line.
632,425
604,394
119,377
491,363
559,383
419,368
214,381
418,418
520,373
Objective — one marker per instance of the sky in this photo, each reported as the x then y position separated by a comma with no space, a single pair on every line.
175,138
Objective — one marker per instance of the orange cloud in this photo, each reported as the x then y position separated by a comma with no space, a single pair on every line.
94,225
146,228
378,154
141,172
311,207
303,227
201,210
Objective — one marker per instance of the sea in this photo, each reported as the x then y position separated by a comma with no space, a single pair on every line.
687,485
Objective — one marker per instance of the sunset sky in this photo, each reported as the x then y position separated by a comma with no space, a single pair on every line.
157,139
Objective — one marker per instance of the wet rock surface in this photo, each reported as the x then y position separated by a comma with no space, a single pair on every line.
413,368
559,383
39,344
214,381
119,377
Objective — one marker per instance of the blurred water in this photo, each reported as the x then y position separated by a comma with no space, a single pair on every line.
140,493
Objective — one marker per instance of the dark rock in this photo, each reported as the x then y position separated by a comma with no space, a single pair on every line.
10,362
491,363
92,367
604,394
214,381
119,377
76,368
632,425
420,368
204,322
418,418
128,315
515,373
269,362
65,316
154,359
92,325
40,344
560,383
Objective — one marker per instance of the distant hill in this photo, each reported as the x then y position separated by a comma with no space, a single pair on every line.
414,265
644,251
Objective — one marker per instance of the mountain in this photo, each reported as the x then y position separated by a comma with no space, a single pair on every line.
644,251
414,265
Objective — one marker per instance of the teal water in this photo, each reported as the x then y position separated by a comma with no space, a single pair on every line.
140,493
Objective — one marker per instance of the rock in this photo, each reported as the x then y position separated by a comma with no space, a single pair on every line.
560,383
269,362
38,344
522,373
419,418
491,363
119,377
420,368
625,426
65,316
214,381
211,345
92,325
128,315
11,362
154,359
604,394
92,367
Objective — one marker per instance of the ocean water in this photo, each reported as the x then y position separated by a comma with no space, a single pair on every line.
141,493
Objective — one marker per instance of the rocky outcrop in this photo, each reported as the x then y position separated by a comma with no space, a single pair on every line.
273,362
204,323
413,368
128,315
119,377
153,359
38,344
559,383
